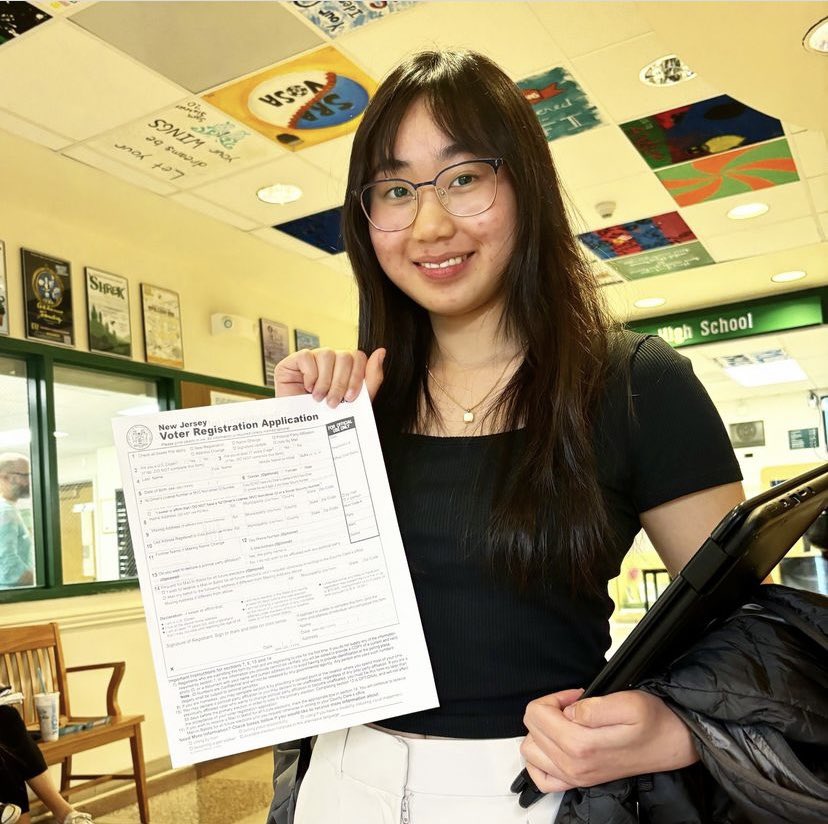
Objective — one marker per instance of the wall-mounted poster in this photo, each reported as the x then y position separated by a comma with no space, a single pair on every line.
162,326
4,293
47,286
305,340
107,307
302,102
747,433
275,346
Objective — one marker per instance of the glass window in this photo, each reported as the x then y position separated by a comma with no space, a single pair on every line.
17,543
94,537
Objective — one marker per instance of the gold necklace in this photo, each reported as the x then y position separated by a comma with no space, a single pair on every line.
468,412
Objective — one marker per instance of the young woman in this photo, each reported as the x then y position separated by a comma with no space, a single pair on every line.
21,763
526,443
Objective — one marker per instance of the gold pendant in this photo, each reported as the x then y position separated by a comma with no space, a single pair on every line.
468,416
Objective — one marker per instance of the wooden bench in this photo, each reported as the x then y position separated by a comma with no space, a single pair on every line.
24,650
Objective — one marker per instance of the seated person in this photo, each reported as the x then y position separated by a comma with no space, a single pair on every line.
21,763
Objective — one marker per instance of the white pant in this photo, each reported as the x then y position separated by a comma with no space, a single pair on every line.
364,776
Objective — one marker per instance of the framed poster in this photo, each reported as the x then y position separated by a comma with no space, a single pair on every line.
107,311
305,340
47,289
162,326
747,433
275,346
4,293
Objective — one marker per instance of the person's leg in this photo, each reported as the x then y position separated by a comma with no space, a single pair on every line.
42,786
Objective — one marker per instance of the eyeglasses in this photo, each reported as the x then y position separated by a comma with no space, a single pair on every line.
464,189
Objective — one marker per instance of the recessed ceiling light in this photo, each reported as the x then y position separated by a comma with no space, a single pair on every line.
816,40
787,277
767,374
279,193
748,210
649,303
666,71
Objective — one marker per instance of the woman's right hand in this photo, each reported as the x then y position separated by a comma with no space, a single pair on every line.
334,375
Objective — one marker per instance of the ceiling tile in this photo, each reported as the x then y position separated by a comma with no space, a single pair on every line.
748,243
200,45
596,156
638,196
238,192
823,223
214,211
187,145
333,20
18,18
332,157
289,244
786,203
495,29
22,128
750,169
322,230
98,88
105,164
609,23
811,153
611,77
819,192
302,102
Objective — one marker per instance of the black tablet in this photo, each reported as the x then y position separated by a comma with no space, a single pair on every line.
739,554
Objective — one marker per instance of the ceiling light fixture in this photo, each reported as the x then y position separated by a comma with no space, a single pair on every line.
279,193
787,277
748,210
666,71
816,39
767,374
649,303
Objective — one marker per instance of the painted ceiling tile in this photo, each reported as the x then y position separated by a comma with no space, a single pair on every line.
662,261
187,144
336,18
302,102
732,173
18,18
638,236
560,103
699,129
321,230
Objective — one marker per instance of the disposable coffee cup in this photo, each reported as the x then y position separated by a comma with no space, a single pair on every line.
47,705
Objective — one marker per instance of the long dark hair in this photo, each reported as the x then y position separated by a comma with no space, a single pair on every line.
547,518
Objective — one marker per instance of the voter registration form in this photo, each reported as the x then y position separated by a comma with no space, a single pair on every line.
277,594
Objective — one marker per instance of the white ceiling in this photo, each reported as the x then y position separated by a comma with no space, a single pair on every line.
90,78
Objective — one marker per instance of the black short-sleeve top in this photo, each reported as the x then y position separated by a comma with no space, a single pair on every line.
493,649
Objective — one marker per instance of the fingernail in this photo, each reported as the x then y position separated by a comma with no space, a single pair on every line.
349,395
569,712
317,396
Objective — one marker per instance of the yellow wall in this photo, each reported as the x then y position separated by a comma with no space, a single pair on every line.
60,207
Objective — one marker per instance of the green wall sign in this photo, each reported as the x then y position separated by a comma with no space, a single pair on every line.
803,438
734,321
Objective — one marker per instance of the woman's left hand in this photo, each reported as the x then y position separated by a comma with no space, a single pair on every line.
574,743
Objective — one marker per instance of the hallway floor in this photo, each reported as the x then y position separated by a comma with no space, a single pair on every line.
239,794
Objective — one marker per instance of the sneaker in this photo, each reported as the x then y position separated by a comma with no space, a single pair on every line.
9,813
77,817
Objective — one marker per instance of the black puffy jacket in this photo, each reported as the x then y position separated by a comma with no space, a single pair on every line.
754,694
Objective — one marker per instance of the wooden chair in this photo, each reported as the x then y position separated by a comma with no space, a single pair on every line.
24,650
